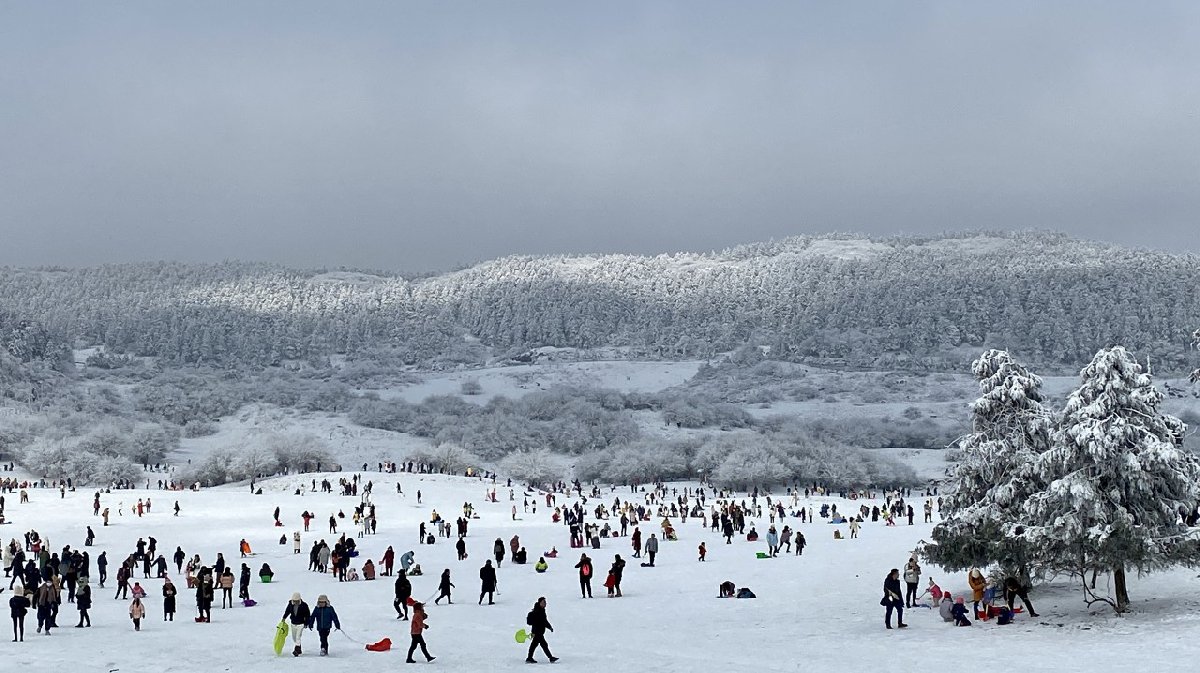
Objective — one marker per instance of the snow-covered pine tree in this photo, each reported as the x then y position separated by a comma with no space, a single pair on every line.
1116,479
994,473
1196,345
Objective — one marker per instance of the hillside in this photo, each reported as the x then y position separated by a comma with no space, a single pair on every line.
902,303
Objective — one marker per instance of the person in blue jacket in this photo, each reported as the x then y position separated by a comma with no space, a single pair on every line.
324,618
959,612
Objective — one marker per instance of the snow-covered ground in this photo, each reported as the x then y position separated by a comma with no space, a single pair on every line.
817,612
519,380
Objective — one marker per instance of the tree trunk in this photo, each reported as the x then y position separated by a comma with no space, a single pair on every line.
1120,590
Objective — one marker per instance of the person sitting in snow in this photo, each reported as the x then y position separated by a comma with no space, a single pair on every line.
946,607
541,565
959,612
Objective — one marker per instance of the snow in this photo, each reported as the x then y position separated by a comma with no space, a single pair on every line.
816,612
519,380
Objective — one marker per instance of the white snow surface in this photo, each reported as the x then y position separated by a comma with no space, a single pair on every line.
816,612
519,380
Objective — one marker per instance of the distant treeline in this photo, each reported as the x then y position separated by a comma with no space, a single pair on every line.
920,304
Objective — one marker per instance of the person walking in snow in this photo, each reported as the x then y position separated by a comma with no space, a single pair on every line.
893,599
18,607
444,587
652,549
136,612
324,617
539,623
417,630
296,614
403,593
498,551
83,603
487,582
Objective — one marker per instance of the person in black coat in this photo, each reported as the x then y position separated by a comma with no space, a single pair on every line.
102,567
617,571
444,587
498,551
168,592
585,575
538,625
403,593
1014,589
204,594
83,602
893,599
18,606
487,583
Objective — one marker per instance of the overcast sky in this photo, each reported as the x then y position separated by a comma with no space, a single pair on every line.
419,136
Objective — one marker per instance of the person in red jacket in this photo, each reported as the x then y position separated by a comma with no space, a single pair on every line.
417,631
388,560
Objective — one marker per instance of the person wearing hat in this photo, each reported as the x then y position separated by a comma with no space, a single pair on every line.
417,630
83,602
168,592
296,614
324,618
18,606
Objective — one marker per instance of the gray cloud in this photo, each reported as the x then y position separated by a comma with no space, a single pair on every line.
418,136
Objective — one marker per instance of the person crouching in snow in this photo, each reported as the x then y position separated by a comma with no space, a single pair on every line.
959,612
324,618
297,614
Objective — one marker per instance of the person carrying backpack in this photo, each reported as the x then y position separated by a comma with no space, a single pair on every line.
585,575
539,623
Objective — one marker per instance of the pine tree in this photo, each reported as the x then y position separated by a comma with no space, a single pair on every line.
1117,479
1196,344
994,474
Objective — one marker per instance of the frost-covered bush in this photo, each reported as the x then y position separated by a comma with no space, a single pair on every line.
297,452
199,429
537,467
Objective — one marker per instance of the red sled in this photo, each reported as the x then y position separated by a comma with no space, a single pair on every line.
381,646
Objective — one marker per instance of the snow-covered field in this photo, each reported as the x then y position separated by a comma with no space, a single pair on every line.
816,612
518,380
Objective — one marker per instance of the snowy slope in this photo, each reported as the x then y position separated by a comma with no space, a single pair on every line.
817,612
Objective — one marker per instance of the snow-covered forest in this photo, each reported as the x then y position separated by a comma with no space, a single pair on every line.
902,303
813,359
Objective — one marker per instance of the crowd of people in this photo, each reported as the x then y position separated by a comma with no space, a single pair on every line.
592,516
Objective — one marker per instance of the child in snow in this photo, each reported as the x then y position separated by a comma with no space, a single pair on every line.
946,607
959,612
703,551
136,612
